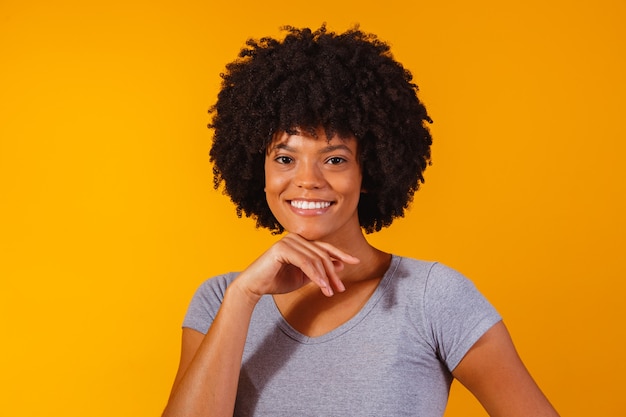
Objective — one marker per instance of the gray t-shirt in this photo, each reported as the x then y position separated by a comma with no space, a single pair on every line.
393,358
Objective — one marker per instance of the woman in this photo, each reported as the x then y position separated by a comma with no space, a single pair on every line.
322,135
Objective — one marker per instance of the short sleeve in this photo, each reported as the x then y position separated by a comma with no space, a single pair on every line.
206,302
456,312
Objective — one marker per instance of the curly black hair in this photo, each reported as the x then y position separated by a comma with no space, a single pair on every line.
348,84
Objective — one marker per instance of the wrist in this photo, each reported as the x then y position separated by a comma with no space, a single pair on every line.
239,291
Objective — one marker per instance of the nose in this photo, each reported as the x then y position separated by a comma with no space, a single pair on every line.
309,176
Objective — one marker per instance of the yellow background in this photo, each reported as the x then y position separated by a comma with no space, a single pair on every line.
109,220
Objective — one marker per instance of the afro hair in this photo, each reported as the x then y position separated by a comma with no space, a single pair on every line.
347,84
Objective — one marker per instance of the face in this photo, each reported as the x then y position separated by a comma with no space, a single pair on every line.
312,185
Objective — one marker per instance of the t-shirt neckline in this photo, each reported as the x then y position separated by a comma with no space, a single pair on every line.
348,325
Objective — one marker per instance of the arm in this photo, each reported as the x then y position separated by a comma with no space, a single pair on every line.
208,374
493,371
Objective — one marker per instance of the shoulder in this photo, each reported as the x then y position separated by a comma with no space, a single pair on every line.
426,287
455,312
215,286
426,275
206,302
431,285
439,284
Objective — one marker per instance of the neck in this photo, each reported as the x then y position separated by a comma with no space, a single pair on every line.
351,240
374,262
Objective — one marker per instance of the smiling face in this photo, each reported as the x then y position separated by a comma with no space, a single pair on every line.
312,185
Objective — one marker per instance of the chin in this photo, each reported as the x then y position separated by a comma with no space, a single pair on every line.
308,235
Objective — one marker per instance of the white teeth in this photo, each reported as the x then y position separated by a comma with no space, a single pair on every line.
310,205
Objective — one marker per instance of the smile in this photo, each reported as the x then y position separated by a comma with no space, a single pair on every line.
310,205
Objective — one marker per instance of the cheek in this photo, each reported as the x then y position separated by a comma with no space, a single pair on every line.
355,185
270,179
273,183
275,186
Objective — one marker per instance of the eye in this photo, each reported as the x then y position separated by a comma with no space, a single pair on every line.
284,160
335,160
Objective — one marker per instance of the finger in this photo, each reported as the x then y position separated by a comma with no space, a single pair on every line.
289,251
339,258
332,260
319,266
338,254
316,265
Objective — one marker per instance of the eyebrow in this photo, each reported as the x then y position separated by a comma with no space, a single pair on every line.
327,149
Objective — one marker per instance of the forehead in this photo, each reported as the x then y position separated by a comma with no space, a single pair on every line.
317,139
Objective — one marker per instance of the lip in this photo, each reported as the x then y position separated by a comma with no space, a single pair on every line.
309,207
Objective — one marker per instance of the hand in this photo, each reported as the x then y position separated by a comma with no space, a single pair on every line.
293,262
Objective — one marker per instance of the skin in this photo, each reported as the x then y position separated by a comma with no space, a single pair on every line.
320,274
